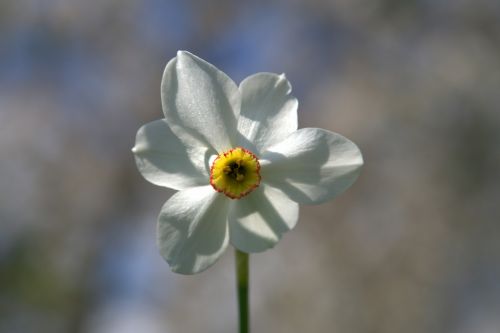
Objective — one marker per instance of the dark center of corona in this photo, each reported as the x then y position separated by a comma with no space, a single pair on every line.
235,170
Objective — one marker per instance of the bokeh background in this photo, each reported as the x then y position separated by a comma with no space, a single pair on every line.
413,246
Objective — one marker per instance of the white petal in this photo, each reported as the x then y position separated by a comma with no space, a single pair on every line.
200,100
192,229
257,221
268,111
312,165
163,159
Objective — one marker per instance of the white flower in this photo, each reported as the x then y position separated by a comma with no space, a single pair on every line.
239,163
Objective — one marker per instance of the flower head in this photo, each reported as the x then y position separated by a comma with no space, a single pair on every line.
239,163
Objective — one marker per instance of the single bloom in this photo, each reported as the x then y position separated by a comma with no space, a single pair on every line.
238,161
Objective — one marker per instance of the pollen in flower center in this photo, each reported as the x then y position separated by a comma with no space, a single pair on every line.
235,173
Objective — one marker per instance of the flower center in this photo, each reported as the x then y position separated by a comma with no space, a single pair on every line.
235,173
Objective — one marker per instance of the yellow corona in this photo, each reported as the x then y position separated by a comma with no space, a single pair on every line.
235,173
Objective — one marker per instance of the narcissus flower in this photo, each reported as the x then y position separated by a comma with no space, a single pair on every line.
239,163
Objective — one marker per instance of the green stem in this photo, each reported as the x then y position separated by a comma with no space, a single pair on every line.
242,282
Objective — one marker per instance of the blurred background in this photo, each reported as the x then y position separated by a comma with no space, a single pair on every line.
413,246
